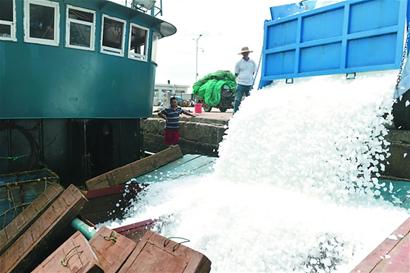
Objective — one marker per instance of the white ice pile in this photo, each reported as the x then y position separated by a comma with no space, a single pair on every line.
293,189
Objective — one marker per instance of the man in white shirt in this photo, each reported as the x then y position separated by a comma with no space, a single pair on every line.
245,70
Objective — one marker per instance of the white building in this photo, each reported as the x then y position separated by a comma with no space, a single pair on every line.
163,92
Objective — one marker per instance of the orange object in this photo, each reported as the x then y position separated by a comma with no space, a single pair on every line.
198,108
157,254
74,256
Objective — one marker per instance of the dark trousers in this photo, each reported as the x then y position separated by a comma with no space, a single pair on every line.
240,91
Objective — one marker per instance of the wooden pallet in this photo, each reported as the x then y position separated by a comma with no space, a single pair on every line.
112,249
391,256
157,254
20,224
38,241
74,256
125,173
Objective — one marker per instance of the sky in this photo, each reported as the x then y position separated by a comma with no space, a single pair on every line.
226,26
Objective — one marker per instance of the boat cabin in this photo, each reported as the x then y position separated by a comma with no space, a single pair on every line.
75,78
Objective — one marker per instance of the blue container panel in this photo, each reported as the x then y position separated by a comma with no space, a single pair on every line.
284,11
350,36
381,50
282,34
314,27
319,58
281,63
386,12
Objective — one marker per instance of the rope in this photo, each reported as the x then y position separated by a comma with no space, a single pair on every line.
13,158
112,237
176,246
64,261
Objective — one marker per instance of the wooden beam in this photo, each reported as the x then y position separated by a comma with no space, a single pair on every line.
125,173
157,254
112,249
38,241
75,255
22,222
392,255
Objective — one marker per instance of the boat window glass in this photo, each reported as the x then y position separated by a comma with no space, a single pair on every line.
80,28
42,22
138,42
7,20
113,32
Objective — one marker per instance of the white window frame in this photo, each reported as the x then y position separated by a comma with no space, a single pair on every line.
111,50
92,25
135,56
154,46
12,25
45,3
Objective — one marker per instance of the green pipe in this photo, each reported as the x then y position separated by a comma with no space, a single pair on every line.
82,227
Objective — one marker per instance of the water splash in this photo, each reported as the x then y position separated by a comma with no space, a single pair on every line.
293,189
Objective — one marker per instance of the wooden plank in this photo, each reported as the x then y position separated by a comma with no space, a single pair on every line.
176,169
390,247
74,256
37,241
134,169
157,254
112,249
20,224
398,260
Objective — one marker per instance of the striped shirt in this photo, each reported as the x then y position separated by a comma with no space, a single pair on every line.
172,117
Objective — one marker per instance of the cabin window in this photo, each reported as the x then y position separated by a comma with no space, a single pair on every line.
7,20
80,30
138,42
42,22
113,32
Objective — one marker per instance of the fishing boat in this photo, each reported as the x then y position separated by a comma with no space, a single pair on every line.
76,77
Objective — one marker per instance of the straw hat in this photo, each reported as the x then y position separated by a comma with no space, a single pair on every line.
245,49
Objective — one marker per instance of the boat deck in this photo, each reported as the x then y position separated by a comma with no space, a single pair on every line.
188,165
392,255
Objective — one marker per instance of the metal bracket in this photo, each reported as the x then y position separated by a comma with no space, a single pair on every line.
351,76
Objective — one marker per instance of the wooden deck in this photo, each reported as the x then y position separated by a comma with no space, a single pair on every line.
186,166
391,256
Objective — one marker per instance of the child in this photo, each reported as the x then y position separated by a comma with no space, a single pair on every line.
171,115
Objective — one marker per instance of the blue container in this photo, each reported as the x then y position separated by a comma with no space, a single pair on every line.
347,37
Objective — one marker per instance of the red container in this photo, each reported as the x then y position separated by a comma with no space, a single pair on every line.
198,108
